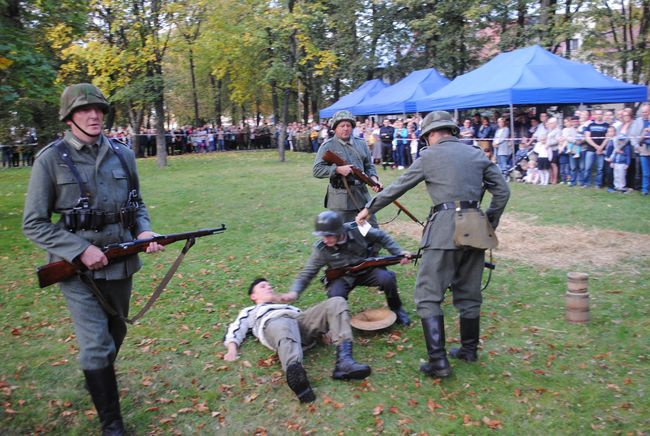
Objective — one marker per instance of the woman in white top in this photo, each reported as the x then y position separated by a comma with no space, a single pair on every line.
502,145
553,136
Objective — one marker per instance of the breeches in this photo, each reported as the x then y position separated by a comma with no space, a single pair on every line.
289,335
383,278
99,335
460,271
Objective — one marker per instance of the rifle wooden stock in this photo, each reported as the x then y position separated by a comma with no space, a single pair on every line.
61,270
333,158
371,262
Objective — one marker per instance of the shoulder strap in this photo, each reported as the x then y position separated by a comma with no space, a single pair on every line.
118,153
65,156
133,187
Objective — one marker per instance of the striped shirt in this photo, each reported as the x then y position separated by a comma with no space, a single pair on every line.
255,318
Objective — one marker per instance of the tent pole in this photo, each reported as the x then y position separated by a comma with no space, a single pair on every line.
512,131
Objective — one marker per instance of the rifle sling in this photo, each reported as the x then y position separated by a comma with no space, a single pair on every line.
354,200
159,289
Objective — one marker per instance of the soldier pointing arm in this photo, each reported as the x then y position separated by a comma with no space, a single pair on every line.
455,175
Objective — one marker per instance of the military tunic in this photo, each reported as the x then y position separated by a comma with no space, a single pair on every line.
353,251
452,171
52,189
337,199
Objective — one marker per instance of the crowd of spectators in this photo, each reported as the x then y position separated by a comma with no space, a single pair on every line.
596,148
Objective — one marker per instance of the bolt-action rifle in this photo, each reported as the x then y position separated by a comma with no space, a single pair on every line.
61,270
371,262
333,158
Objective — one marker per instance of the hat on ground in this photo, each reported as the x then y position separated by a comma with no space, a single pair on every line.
373,319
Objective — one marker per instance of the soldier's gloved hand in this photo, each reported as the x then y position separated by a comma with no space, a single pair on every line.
93,258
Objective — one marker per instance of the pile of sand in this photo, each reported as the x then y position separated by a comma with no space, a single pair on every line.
564,247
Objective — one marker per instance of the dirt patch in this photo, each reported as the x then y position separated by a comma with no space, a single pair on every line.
563,247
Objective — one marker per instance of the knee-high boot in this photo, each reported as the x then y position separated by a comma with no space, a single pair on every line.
469,336
103,390
434,335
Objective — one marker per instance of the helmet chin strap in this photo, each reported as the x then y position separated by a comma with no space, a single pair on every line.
83,131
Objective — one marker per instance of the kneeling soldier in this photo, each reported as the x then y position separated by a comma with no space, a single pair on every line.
286,329
344,245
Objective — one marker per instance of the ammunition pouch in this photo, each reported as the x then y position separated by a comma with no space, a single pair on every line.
337,181
82,218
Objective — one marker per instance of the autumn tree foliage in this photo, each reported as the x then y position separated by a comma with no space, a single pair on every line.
193,62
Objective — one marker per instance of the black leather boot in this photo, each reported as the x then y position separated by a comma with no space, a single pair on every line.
346,367
434,335
298,382
395,304
103,389
469,336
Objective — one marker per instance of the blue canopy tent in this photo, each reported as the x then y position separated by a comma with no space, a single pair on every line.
400,97
362,93
530,75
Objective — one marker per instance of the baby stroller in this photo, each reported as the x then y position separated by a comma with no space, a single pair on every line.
517,171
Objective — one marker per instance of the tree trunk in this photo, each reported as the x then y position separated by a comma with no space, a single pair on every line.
159,112
217,87
286,95
276,102
195,98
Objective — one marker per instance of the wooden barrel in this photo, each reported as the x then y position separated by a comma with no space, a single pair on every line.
577,306
577,282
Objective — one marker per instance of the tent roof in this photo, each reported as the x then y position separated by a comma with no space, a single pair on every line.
363,92
530,75
400,97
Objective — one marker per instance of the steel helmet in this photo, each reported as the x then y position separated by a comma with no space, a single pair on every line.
328,223
437,120
81,94
343,116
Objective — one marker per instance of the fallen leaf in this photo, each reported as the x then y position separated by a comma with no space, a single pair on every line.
539,371
59,362
202,407
432,405
517,392
250,397
491,423
378,410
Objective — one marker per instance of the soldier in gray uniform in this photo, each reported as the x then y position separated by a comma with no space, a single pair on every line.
455,175
348,200
92,184
344,245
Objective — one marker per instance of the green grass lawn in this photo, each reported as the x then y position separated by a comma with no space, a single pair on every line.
536,373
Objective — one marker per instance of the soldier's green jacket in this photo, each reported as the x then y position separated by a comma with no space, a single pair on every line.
353,251
452,171
355,153
53,188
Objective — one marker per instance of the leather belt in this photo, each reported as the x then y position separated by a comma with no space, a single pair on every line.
472,204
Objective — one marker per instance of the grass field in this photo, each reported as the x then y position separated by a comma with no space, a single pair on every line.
536,374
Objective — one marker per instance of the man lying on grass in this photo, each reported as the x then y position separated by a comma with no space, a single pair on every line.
286,330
